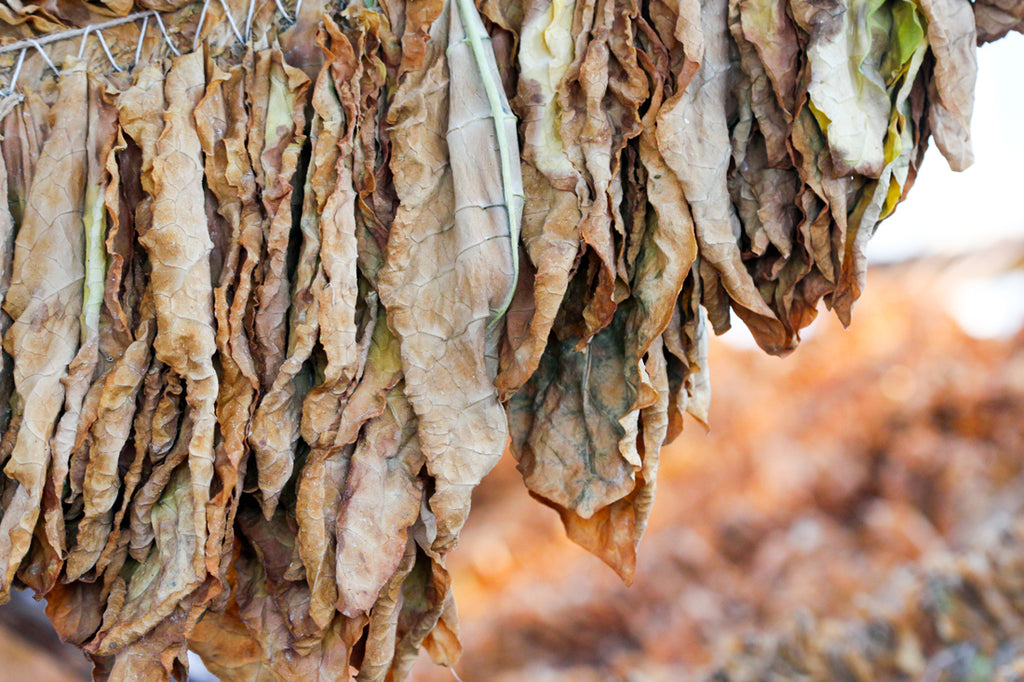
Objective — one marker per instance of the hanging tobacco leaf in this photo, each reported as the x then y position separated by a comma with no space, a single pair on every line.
280,283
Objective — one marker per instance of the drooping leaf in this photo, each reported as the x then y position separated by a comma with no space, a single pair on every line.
44,302
450,235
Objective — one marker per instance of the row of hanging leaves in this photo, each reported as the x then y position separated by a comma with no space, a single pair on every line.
278,291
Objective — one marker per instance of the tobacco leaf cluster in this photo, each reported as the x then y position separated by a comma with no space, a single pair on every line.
273,307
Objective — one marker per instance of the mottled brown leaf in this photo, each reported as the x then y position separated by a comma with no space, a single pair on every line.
446,272
44,301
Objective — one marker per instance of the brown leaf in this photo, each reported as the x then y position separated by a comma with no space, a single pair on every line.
148,406
550,227
250,640
953,41
273,442
44,300
567,424
222,124
603,94
997,18
613,533
82,370
277,96
178,244
382,629
105,440
337,289
161,582
427,605
381,500
692,134
434,251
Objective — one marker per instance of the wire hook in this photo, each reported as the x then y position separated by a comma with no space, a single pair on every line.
284,12
35,43
163,31
81,45
17,72
199,26
142,36
231,21
106,50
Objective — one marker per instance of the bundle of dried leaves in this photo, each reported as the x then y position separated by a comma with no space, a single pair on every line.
276,296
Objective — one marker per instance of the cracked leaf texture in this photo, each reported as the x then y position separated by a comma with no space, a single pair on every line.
273,307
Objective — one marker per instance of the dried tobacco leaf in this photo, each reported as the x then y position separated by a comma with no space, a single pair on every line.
330,278
381,501
951,37
44,301
82,370
275,424
550,228
450,235
692,134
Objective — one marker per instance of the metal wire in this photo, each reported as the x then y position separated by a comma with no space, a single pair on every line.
248,19
106,50
81,46
199,26
35,43
142,36
73,33
231,21
38,42
17,71
284,12
163,31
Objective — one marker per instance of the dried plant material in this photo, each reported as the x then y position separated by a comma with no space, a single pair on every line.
604,92
567,425
450,235
222,122
7,234
178,244
106,439
270,283
274,140
952,38
956,608
381,501
167,576
275,424
333,290
44,302
336,286
81,371
995,19
550,229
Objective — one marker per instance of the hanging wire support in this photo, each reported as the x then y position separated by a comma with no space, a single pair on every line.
284,12
199,26
81,46
103,44
163,32
36,44
142,36
17,72
248,19
106,50
231,21
75,32
39,41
